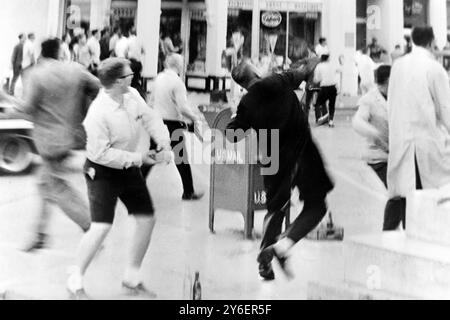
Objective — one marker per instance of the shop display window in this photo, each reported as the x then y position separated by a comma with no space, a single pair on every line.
416,13
272,40
197,43
240,21
302,35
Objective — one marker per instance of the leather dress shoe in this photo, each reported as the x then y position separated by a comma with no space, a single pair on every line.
266,271
193,196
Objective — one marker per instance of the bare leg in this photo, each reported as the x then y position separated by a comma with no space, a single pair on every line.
144,226
89,246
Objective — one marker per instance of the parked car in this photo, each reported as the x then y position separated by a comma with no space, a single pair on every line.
17,149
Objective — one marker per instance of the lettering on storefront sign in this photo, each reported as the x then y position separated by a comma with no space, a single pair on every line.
373,17
74,17
240,4
304,6
125,12
271,19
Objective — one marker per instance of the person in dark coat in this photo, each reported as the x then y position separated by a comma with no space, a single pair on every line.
271,103
16,61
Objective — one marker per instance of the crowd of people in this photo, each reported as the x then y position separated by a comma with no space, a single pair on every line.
80,94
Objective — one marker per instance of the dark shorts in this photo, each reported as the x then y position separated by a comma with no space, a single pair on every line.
106,186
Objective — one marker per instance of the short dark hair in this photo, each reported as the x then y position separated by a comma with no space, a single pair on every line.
397,46
94,32
111,70
21,36
324,57
50,48
382,74
322,40
30,35
244,73
422,36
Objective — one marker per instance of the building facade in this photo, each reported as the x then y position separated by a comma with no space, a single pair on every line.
273,30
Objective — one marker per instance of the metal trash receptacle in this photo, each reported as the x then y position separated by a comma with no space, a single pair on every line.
238,184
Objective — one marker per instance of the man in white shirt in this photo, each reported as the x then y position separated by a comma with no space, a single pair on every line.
366,70
119,125
94,49
29,57
326,75
121,47
322,47
135,53
169,98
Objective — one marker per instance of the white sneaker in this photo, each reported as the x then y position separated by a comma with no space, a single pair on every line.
75,286
331,124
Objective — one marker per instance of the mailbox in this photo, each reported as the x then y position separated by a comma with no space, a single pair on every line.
236,180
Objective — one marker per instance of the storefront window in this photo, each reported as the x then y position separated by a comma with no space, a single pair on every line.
240,21
272,40
416,13
123,15
78,15
302,35
197,42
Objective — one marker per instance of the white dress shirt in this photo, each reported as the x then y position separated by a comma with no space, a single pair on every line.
169,95
326,74
321,50
117,135
28,54
121,47
94,50
135,48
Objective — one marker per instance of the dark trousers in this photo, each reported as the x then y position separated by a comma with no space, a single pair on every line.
137,81
381,171
327,94
395,212
313,212
16,74
181,158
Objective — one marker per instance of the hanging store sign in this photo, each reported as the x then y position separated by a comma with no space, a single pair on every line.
271,19
240,4
293,6
125,12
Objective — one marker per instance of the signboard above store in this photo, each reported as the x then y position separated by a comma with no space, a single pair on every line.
271,19
293,6
240,4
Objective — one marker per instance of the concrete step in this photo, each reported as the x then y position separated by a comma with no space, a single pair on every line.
393,262
431,225
345,291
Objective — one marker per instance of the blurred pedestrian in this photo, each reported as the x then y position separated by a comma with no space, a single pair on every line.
397,53
29,56
104,44
16,63
376,51
371,122
121,47
419,123
366,68
66,52
93,45
169,98
326,75
271,104
52,101
119,126
136,54
82,53
113,41
322,48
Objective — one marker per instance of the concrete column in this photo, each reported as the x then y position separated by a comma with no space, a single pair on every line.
385,21
217,16
148,21
438,20
54,17
100,12
339,27
255,30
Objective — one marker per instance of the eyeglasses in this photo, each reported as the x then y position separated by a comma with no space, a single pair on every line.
127,76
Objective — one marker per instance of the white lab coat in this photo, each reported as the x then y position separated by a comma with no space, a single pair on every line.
419,123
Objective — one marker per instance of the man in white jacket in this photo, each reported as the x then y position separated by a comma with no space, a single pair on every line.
419,124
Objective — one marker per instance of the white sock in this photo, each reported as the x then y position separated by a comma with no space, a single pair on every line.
132,276
283,246
75,281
